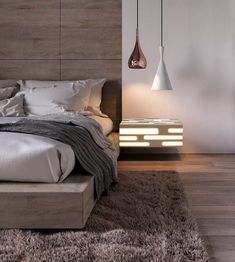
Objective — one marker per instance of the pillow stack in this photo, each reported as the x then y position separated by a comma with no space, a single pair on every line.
52,97
38,98
10,106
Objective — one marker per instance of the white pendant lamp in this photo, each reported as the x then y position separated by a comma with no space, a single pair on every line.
161,80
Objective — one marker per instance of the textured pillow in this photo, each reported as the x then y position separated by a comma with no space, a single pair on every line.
84,94
24,84
12,106
52,100
6,92
96,86
7,83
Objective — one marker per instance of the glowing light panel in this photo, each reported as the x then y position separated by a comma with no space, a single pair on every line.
128,138
172,143
169,137
175,130
134,144
139,131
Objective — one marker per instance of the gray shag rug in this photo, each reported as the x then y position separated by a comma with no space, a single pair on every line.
145,218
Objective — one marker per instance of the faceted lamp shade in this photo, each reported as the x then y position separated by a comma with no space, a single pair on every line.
137,59
161,80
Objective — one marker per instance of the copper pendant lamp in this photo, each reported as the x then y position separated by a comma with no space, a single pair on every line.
137,59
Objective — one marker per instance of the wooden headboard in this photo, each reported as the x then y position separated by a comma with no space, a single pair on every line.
64,40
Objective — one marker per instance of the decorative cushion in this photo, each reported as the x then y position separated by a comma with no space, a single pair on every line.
12,106
6,92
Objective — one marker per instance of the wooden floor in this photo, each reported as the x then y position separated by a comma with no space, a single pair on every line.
209,182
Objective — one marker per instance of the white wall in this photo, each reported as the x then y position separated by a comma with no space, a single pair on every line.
200,57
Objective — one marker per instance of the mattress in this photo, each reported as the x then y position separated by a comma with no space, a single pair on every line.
31,158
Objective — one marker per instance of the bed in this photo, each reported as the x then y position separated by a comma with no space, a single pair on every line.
75,43
41,202
32,158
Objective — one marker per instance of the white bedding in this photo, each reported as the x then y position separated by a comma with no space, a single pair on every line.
31,158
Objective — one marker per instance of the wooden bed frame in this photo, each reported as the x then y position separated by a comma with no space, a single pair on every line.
75,43
64,205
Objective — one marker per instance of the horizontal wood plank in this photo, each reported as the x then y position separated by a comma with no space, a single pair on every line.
30,69
91,29
77,69
29,29
217,227
216,211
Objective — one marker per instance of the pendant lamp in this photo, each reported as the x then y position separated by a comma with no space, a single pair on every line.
161,80
137,59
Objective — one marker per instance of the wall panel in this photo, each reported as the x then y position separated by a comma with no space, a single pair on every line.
91,29
29,29
81,30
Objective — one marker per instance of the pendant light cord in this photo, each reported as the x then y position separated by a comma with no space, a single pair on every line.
137,21
161,23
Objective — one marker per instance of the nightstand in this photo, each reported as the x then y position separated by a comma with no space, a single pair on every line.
153,133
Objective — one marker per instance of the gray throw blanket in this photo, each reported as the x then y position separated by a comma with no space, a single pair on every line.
92,149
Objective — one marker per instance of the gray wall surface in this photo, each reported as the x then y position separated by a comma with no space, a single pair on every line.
200,57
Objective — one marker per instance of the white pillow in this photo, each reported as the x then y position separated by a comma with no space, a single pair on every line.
37,83
85,93
12,106
7,83
51,100
6,92
95,99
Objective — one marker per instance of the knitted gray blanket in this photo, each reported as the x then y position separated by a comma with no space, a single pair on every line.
92,149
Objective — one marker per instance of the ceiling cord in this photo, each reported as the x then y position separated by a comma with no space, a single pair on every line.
161,36
137,14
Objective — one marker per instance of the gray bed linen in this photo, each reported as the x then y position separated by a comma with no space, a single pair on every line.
92,149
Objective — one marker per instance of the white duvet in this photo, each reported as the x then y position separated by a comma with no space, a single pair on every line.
31,158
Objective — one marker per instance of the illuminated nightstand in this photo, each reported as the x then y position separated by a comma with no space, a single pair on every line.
140,132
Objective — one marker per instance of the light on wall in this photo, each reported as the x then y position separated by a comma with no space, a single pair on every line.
161,80
137,59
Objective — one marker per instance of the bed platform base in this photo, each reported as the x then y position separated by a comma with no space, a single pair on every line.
47,206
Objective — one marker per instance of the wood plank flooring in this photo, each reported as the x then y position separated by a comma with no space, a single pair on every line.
209,182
